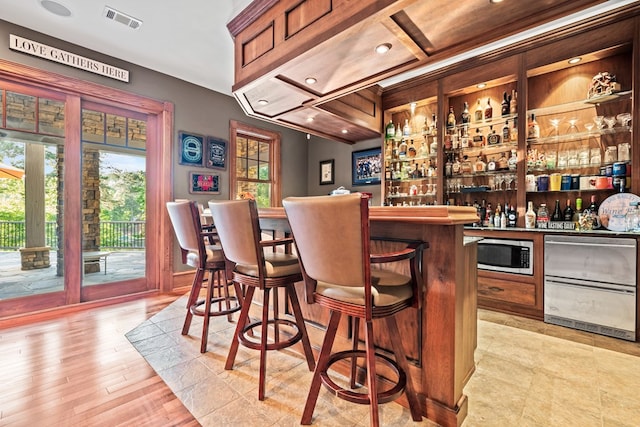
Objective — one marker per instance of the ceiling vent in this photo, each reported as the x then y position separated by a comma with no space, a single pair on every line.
129,21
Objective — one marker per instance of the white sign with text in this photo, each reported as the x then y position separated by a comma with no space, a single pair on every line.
67,58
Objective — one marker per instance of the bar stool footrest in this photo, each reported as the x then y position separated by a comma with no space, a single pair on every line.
277,345
384,396
197,309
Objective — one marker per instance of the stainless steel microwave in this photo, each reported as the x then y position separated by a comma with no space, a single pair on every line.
505,255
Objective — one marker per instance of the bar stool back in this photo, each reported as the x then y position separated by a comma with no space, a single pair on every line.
256,268
199,250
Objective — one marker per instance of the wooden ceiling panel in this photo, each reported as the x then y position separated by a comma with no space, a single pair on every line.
327,125
351,57
280,97
474,22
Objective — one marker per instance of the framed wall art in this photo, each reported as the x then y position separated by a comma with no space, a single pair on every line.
327,172
366,166
216,157
192,148
203,183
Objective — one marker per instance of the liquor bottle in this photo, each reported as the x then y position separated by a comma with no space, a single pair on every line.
391,130
506,132
493,138
402,149
503,162
416,172
577,212
488,111
503,220
513,160
513,103
557,213
533,131
424,148
451,120
543,214
480,165
592,211
411,151
448,166
489,216
464,138
406,129
396,150
456,168
465,118
504,110
514,130
434,147
512,216
398,132
482,212
491,165
388,149
434,125
423,169
465,165
496,216
530,216
478,114
568,211
478,139
431,170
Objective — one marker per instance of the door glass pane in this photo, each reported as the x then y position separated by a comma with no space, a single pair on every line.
31,257
114,215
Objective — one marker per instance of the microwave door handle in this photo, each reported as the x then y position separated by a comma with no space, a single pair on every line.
588,244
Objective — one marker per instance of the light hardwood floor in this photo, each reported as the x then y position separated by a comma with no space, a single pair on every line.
79,369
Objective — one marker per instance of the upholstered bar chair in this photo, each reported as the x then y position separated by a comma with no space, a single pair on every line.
199,250
332,238
256,266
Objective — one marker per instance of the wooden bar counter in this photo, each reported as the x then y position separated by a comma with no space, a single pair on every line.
440,337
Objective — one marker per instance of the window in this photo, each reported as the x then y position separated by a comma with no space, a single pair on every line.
254,164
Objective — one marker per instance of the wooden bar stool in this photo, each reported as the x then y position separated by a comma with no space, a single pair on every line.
199,250
333,242
255,268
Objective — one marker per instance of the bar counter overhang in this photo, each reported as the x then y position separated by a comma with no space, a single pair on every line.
445,327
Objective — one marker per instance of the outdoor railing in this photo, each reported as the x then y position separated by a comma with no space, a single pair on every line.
113,235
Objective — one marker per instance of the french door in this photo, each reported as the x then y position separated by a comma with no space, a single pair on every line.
92,187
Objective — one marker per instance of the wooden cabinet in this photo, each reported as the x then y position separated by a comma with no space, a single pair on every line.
513,293
313,65
573,140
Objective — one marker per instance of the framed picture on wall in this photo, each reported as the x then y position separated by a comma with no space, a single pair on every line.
327,172
216,155
366,166
203,183
192,148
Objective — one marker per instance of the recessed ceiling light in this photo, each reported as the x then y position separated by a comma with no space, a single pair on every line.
345,131
495,1
262,102
310,80
383,48
309,119
575,60
55,8
481,85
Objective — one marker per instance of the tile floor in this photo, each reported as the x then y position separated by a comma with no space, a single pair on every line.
528,374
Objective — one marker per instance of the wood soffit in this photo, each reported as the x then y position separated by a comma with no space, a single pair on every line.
278,44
